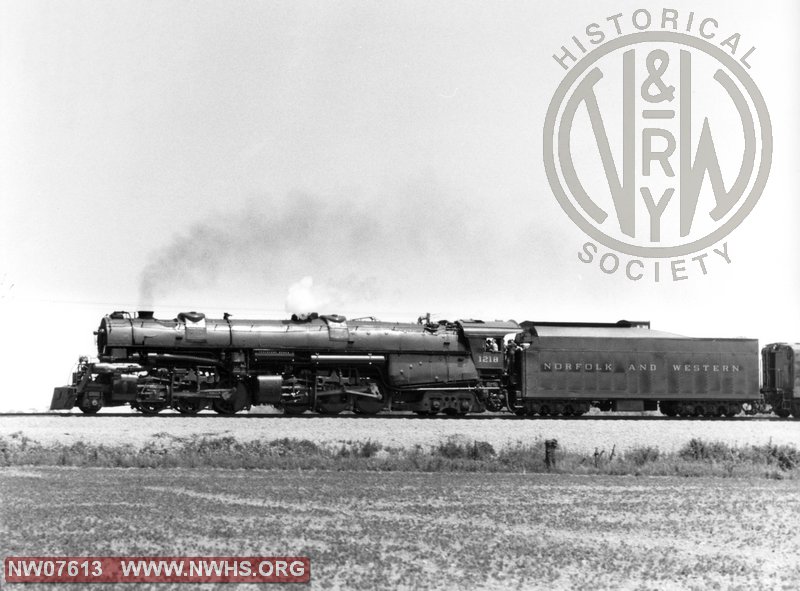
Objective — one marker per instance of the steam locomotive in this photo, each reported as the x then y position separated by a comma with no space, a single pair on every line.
328,364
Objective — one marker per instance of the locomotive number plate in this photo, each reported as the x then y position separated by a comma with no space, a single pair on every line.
490,358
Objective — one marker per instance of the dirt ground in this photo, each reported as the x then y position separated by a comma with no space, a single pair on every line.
421,531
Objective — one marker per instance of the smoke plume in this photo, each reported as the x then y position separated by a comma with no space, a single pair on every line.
357,253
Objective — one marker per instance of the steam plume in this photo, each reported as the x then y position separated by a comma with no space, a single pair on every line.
304,299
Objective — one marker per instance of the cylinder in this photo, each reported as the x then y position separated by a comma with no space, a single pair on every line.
268,389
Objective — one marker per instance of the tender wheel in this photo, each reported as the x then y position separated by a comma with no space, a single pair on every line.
581,409
732,410
782,412
669,410
605,406
544,410
188,406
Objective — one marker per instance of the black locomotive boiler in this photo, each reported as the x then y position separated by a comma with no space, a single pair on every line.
322,363
328,364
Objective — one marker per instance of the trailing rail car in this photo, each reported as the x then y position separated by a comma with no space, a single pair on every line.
780,364
329,364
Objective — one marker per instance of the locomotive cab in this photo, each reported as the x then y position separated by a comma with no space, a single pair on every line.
486,342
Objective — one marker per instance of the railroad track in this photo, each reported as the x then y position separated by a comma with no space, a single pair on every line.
486,417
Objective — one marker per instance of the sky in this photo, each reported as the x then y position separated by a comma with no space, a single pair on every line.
377,159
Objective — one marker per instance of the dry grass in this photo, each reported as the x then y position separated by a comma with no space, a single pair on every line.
577,435
454,454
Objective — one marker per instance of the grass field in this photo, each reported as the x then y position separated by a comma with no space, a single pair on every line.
454,454
375,530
